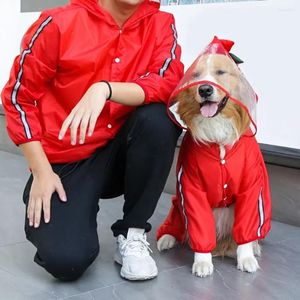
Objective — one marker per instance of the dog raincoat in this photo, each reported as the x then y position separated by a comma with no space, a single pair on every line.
206,181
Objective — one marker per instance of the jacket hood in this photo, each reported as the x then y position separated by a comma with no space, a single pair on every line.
147,8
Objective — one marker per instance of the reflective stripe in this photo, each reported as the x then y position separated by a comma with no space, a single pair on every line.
17,85
145,75
261,214
182,196
167,62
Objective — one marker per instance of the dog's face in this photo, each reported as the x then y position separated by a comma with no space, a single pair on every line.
207,104
215,68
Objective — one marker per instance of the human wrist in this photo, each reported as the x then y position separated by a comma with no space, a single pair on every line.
40,167
41,170
107,88
37,160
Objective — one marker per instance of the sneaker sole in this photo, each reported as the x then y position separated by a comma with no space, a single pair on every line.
133,277
130,276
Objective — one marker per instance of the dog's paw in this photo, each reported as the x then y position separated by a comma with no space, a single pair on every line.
166,242
256,248
202,268
248,264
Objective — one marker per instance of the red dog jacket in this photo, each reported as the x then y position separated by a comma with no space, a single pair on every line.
206,182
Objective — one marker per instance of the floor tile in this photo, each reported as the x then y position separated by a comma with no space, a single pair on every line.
13,176
11,288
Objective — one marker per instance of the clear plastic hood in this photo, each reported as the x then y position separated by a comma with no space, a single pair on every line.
215,78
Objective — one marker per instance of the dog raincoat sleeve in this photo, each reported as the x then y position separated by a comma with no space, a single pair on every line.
215,69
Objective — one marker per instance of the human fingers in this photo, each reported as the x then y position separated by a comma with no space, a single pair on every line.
47,209
60,191
92,123
74,126
65,126
83,126
37,212
30,210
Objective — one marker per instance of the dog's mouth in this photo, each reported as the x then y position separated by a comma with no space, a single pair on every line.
210,109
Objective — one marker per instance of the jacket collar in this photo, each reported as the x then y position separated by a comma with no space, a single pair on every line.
148,7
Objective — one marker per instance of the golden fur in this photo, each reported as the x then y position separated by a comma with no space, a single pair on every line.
188,109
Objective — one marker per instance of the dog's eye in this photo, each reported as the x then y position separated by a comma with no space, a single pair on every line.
220,72
196,75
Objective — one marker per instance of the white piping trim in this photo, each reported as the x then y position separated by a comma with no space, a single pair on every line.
167,62
17,85
261,214
182,196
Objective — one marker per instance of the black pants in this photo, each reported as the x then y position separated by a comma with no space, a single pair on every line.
136,163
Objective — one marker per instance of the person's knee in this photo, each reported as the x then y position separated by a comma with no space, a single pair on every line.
67,265
155,126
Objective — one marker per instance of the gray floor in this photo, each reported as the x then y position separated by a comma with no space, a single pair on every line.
20,278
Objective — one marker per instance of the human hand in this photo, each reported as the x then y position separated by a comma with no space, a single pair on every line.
85,113
43,186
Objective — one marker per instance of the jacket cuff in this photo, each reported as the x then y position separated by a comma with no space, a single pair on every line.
20,142
241,241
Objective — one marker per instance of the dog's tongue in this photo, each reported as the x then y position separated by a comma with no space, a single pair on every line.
209,110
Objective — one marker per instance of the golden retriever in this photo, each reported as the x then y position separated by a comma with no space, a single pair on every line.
214,117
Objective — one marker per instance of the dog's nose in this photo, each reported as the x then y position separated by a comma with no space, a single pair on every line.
206,90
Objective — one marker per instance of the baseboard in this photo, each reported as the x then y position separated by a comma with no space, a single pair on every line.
275,155
281,156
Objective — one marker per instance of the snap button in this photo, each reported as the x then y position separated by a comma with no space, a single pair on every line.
223,161
117,60
109,126
225,186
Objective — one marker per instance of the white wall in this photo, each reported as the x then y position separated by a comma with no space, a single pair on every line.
13,25
266,39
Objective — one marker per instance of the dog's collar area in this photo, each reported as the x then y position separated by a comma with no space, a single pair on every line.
221,105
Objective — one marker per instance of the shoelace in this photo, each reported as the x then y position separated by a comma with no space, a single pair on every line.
136,245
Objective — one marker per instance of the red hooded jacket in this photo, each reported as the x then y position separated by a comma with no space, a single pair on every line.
206,182
71,47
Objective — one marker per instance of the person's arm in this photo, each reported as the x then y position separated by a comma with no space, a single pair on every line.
32,70
127,93
85,114
45,183
165,69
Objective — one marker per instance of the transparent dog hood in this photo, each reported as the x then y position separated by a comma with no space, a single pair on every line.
216,69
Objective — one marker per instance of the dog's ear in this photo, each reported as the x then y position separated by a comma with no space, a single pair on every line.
236,59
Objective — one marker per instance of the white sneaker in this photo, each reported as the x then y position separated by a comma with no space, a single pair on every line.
133,254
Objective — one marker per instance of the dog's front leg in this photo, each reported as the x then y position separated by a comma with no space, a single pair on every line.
203,265
166,242
246,260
